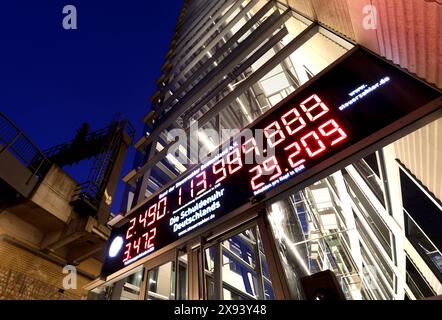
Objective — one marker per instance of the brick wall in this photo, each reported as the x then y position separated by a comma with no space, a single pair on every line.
24,275
19,286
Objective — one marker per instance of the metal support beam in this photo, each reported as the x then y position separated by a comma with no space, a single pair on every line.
199,24
218,272
242,87
184,61
276,270
233,39
247,46
239,70
219,53
261,291
261,72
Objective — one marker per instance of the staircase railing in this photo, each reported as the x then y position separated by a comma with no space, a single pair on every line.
93,189
13,140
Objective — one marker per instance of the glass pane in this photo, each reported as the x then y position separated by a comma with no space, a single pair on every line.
102,292
371,178
244,274
310,239
132,285
127,288
182,278
161,282
232,295
209,261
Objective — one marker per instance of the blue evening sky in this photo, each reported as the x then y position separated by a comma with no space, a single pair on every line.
52,80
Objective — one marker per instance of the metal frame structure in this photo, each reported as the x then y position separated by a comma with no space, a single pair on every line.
201,81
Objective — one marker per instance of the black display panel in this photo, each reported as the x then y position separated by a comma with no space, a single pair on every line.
355,99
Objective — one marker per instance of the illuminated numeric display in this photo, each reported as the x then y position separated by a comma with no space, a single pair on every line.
141,232
302,132
347,107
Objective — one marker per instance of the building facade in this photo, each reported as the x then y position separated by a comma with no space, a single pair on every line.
53,229
375,221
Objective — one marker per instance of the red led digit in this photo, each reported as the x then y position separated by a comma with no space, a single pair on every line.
152,212
257,176
270,165
250,145
137,245
296,116
312,136
271,131
151,238
294,163
235,160
308,107
191,188
179,195
142,218
332,127
162,207
221,169
127,255
128,233
203,182
148,240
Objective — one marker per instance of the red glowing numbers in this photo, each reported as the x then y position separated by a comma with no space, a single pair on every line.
250,145
310,107
180,196
162,204
256,177
310,145
151,213
315,143
132,225
202,181
148,238
292,157
144,239
274,134
219,167
309,133
270,165
137,245
234,160
335,128
127,254
290,125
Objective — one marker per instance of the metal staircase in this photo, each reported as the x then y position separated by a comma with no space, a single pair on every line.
89,194
22,164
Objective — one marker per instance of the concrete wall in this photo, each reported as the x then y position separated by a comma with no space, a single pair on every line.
13,172
26,270
55,193
12,225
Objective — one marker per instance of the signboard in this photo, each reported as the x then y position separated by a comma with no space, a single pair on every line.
355,99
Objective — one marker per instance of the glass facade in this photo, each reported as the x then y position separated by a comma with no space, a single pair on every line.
243,268
339,224
372,223
127,288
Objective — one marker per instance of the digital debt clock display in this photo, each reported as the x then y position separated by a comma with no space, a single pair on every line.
356,98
